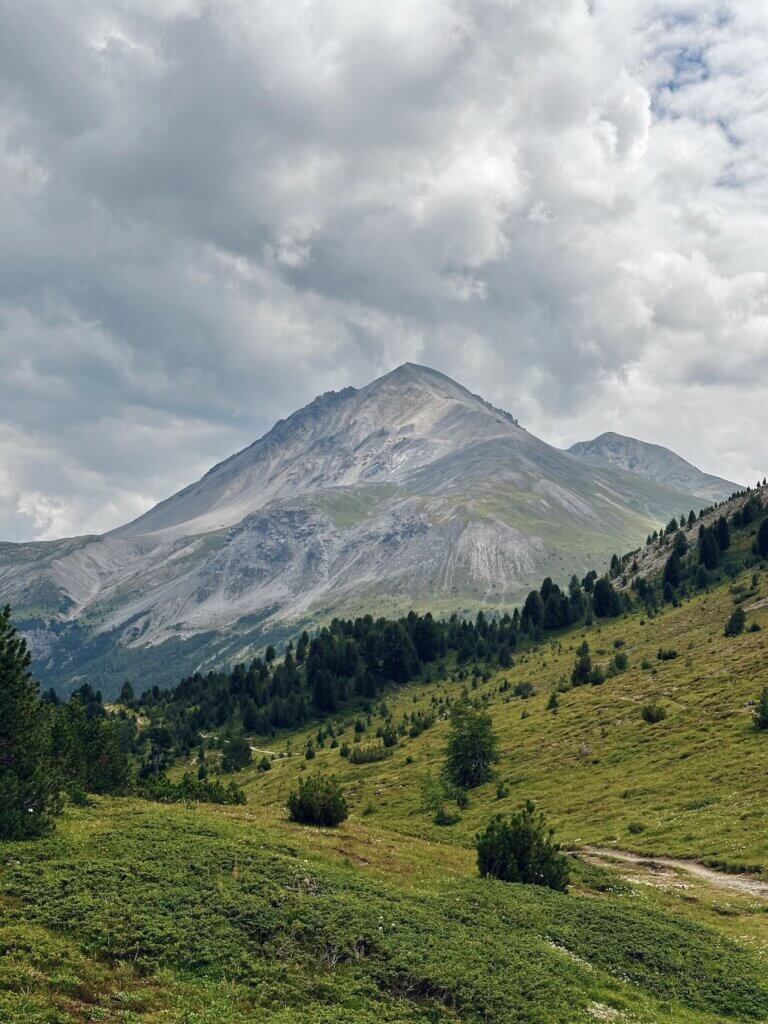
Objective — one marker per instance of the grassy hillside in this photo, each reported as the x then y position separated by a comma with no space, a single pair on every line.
137,912
696,783
141,913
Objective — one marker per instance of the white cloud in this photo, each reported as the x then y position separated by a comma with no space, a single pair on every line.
211,211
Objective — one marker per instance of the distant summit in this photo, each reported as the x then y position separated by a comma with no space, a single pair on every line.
653,462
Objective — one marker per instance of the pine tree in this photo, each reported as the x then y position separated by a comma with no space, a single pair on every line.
672,571
606,600
472,747
28,790
127,696
762,539
523,850
582,670
237,755
709,552
761,711
736,622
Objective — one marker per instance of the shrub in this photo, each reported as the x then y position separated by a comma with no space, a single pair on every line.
206,791
653,713
388,735
736,622
318,801
265,764
237,755
619,663
522,849
761,710
368,753
445,817
635,828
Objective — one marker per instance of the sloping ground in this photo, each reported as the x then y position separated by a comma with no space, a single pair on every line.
650,558
693,785
146,914
741,883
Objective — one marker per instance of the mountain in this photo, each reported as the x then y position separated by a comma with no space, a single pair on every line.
653,462
410,491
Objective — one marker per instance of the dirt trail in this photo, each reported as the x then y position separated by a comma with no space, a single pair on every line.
747,885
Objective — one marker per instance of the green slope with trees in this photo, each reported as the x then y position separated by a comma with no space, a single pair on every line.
377,856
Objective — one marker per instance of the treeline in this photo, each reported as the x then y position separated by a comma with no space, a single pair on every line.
358,659
50,749
698,558
46,748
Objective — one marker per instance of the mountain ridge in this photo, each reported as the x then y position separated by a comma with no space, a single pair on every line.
655,462
408,492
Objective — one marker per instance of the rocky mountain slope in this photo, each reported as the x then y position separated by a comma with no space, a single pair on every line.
653,462
408,492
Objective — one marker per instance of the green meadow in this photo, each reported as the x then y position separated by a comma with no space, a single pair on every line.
144,913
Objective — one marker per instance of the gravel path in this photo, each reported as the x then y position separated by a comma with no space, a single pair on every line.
748,885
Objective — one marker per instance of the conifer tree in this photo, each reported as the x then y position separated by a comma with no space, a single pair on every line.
761,711
28,790
762,539
472,747
606,600
582,670
709,551
723,533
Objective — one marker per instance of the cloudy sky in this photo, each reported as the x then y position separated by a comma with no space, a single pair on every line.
212,210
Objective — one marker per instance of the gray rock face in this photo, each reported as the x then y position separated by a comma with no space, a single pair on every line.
410,492
654,462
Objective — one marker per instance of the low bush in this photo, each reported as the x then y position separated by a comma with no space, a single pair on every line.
522,849
237,755
653,712
736,622
368,753
205,791
761,711
319,800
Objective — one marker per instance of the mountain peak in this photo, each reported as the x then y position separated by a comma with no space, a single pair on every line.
654,462
380,433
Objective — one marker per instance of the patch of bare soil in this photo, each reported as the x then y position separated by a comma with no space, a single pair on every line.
747,885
